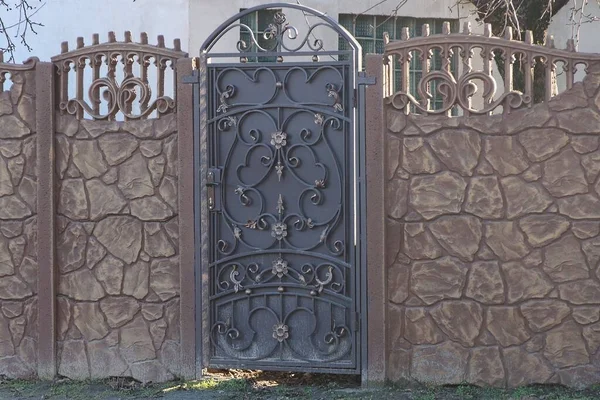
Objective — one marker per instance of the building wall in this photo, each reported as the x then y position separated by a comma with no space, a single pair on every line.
65,20
492,244
204,17
561,28
191,20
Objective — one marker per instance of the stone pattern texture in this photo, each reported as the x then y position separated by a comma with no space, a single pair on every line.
117,249
493,244
18,229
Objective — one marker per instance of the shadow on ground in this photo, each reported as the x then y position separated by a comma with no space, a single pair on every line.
250,385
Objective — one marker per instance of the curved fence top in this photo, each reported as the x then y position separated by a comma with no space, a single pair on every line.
279,38
136,89
522,65
10,68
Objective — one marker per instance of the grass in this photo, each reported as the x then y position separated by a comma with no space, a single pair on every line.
276,389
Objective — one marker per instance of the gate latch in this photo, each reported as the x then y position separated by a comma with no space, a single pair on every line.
362,81
213,178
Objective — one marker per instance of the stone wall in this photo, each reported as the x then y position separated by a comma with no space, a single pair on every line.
493,244
117,248
18,228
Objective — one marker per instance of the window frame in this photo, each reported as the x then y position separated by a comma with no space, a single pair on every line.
253,21
375,44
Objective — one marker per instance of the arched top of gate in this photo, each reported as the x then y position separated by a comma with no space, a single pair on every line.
284,39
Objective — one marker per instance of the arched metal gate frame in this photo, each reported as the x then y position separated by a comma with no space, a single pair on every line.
279,198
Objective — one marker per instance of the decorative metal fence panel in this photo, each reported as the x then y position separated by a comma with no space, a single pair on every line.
283,270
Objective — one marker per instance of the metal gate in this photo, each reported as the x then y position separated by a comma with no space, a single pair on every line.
279,199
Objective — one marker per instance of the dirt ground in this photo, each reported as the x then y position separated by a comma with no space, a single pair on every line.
250,385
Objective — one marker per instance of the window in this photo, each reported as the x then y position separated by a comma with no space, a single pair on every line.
369,29
258,21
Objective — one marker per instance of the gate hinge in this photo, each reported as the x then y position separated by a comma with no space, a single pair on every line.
213,178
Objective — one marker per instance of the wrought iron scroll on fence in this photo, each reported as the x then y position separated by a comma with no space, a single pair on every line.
457,88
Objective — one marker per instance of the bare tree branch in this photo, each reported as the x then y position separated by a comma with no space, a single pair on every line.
18,32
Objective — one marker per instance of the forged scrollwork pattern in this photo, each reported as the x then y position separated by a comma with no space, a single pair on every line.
279,154
119,98
332,88
324,276
295,331
459,92
280,35
282,279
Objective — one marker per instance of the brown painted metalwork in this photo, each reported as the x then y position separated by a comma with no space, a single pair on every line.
119,94
457,88
9,68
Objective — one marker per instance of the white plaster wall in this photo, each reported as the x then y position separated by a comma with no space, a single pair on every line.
65,20
190,20
561,28
206,17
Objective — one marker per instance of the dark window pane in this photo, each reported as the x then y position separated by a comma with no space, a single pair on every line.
402,23
436,60
346,21
265,17
258,22
364,26
384,24
343,45
368,46
250,20
415,62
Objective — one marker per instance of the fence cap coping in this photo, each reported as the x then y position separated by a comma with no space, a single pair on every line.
27,65
489,41
115,46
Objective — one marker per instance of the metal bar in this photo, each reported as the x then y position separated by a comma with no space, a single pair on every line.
197,225
282,366
203,243
275,54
